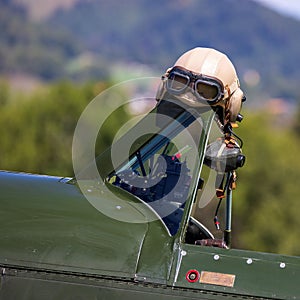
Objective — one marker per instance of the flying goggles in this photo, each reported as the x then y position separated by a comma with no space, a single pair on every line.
207,89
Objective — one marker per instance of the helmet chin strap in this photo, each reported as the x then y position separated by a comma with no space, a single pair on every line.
226,176
229,177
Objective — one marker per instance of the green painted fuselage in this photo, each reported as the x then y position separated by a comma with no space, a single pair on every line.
54,244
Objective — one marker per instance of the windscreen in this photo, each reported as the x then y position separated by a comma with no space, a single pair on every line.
161,172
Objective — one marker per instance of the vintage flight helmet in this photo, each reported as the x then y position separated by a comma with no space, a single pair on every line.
204,77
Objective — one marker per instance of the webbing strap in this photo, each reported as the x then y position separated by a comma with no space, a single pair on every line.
220,189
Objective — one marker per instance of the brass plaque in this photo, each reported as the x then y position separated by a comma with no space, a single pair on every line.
217,278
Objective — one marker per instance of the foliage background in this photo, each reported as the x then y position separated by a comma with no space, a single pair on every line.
72,58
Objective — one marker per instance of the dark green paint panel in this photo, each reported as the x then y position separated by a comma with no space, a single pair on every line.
35,286
257,274
156,255
51,225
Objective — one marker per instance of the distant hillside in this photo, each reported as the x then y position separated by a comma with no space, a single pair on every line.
157,32
35,49
92,36
39,10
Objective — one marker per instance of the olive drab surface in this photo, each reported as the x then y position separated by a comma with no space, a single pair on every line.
124,228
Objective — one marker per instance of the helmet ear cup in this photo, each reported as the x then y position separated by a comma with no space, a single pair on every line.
235,104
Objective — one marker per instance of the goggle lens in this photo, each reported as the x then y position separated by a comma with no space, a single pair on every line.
177,82
206,88
207,91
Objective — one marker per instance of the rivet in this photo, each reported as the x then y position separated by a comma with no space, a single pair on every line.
249,261
183,253
216,257
282,265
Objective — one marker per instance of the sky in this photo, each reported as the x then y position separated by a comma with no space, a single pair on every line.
287,7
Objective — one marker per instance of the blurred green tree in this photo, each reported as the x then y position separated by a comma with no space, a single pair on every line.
37,131
266,201
297,122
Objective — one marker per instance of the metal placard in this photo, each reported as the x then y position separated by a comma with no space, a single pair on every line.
217,278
